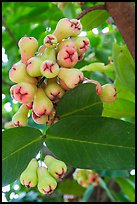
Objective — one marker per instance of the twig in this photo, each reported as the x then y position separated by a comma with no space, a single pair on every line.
9,31
69,174
97,7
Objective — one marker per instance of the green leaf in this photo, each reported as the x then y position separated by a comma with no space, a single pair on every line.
124,66
113,173
94,19
71,187
120,108
82,100
93,142
127,187
19,146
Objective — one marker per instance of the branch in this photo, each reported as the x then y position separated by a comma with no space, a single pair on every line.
123,14
9,31
97,7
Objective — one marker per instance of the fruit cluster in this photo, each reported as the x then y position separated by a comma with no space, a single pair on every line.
86,177
44,177
42,78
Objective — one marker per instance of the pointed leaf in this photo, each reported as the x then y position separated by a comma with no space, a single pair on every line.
82,100
93,142
19,146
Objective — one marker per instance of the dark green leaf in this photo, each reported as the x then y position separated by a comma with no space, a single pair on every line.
82,100
19,146
93,142
71,187
113,173
94,19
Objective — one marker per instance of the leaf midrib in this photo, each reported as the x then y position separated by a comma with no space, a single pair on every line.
93,143
21,148
81,109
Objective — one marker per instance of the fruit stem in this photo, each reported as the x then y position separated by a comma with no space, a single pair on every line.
41,81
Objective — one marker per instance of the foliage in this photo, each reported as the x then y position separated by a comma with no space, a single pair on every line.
90,134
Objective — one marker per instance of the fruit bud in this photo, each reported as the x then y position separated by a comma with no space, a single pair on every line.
50,41
49,69
82,44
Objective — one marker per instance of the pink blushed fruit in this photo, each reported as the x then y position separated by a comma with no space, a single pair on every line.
50,41
9,125
28,47
108,93
39,119
67,57
20,118
18,73
33,66
42,105
82,44
71,77
54,91
66,43
29,105
66,28
24,92
49,69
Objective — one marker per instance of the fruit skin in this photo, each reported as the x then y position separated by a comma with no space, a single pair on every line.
20,118
28,47
70,77
33,66
66,28
9,125
41,104
49,69
67,57
29,105
82,44
24,92
46,183
28,177
66,43
41,49
54,91
48,54
108,93
18,73
39,119
56,168
50,41
12,91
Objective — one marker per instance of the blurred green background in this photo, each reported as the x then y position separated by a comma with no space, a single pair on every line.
37,19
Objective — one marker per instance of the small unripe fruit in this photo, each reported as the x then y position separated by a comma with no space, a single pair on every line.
71,77
20,118
28,47
18,73
66,28
42,104
56,168
108,93
39,119
54,91
82,44
67,57
46,183
33,66
49,69
28,177
9,125
24,92
50,41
